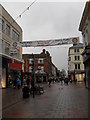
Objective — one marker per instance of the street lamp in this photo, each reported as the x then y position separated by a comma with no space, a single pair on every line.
39,69
74,75
33,76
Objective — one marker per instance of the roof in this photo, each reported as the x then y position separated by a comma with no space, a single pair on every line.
43,54
79,45
86,13
13,22
27,56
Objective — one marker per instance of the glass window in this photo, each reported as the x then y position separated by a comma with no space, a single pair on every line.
1,24
78,66
74,50
8,29
78,57
75,57
31,61
69,58
30,68
41,68
75,66
40,60
77,49
15,36
7,48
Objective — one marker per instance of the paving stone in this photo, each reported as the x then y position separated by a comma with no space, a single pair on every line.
58,101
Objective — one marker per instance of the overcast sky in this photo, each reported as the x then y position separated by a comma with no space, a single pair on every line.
48,20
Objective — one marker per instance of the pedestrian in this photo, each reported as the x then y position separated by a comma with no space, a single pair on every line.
24,81
49,81
66,81
14,83
61,79
53,80
28,81
18,82
85,81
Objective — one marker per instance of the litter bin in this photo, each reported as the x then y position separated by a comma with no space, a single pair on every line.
26,92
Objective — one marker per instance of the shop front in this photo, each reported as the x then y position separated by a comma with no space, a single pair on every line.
77,75
14,70
11,68
4,72
40,76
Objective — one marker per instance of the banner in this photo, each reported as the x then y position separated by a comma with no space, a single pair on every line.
54,42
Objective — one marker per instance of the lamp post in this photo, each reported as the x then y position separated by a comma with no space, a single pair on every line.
74,75
39,72
33,76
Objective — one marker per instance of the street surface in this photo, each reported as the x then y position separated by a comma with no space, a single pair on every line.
58,101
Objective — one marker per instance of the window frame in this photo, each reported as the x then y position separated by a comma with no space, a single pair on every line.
40,61
15,35
1,24
30,68
77,66
31,60
8,30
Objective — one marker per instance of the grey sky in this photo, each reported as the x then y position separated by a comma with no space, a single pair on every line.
48,20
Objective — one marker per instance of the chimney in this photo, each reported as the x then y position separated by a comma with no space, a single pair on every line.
44,51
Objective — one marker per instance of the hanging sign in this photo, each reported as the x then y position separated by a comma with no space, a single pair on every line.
15,49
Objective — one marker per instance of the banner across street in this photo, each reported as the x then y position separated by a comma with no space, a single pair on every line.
54,42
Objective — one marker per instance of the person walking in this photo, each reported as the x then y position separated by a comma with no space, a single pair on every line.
49,81
85,81
61,79
14,83
28,81
24,81
18,82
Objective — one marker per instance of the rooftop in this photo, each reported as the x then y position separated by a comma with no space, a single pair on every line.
79,45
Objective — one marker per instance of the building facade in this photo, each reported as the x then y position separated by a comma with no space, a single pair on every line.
54,71
84,27
10,51
75,62
41,63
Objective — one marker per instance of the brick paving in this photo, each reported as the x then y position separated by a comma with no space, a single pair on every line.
58,101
